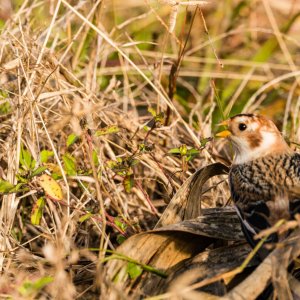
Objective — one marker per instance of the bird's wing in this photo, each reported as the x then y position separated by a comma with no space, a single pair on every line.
294,191
253,220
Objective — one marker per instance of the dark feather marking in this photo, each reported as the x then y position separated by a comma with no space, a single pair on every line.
255,140
243,115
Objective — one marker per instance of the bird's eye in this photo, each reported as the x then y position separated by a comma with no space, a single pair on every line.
242,126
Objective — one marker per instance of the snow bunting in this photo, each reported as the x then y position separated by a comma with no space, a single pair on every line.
265,175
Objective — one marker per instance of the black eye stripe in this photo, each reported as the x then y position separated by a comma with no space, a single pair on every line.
242,126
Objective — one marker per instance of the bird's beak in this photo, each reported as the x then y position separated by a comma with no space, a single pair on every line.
224,133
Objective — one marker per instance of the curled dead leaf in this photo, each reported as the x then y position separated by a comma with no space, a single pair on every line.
186,204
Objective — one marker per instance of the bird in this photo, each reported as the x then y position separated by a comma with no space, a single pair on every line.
264,178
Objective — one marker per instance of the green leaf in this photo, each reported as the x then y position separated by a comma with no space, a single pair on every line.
191,154
21,179
42,282
120,224
128,182
38,171
3,94
133,162
17,187
116,255
134,270
205,141
146,147
37,211
5,108
107,130
45,154
5,186
95,158
152,111
85,217
193,151
70,164
183,150
26,159
72,138
31,288
120,239
159,117
111,164
174,151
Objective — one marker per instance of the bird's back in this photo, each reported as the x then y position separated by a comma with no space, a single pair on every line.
266,190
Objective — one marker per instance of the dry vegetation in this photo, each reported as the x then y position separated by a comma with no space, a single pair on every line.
118,101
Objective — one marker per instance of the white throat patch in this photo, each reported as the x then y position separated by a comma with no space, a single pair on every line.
244,153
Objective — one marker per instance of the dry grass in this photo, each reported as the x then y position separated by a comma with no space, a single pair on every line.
75,67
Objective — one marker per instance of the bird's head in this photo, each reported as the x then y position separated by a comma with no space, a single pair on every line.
253,136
